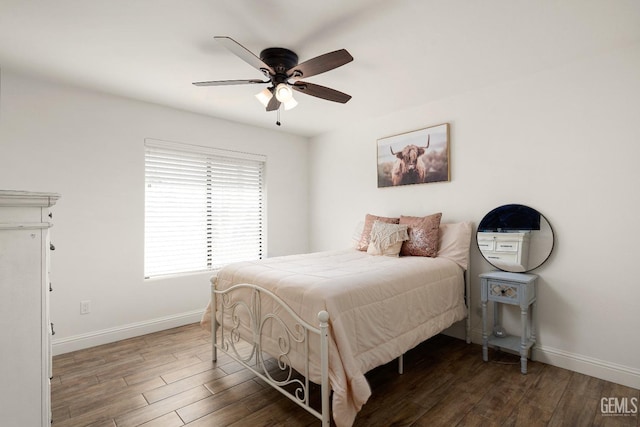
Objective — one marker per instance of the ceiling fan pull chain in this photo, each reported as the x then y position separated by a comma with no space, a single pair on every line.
278,119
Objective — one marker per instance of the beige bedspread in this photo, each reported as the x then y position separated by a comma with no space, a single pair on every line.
379,308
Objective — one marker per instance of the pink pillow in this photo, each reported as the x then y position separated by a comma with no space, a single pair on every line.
363,244
454,242
423,235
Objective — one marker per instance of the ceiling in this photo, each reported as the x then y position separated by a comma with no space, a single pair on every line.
406,53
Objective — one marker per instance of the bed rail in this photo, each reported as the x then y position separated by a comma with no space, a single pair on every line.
241,309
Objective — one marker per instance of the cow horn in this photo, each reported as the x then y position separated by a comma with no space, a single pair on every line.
428,137
391,148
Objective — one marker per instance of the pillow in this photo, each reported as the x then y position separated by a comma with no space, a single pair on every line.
357,234
386,239
423,235
363,244
455,240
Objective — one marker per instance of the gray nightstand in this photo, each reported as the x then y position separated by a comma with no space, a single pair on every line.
514,289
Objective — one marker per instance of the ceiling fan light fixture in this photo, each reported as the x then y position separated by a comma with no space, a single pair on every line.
264,96
288,105
284,93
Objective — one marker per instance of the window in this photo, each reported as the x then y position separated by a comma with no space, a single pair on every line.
204,208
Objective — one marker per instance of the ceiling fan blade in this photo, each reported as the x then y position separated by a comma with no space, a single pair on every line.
320,64
321,92
273,104
245,54
229,82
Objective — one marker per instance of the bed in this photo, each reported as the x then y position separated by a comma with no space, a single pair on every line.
327,318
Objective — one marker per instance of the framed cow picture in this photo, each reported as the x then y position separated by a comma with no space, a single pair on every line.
418,157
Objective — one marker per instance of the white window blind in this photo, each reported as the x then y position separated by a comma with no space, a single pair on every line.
204,208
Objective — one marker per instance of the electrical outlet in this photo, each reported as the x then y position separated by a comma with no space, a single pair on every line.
85,307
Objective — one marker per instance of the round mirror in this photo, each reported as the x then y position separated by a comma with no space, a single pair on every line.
515,238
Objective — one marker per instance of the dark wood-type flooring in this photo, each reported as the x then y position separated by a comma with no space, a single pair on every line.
167,379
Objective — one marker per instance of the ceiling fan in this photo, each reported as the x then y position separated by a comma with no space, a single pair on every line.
280,66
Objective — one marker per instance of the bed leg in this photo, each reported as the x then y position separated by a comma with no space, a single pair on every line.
323,317
467,298
401,364
214,322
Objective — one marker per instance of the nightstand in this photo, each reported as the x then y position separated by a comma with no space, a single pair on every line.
518,289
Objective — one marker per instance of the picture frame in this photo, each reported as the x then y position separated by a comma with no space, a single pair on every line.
416,157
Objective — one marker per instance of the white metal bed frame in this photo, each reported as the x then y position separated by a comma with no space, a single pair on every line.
296,330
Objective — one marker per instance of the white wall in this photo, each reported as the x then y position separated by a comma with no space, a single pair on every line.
566,142
89,148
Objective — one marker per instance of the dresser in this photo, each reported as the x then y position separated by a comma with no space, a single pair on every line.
506,250
25,325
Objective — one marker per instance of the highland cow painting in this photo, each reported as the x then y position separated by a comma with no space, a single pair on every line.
417,157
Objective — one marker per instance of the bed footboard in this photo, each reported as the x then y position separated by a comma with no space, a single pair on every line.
240,318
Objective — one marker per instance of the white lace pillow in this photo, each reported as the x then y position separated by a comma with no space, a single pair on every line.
386,239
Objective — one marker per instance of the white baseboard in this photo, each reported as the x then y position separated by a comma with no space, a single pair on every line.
602,369
105,336
597,368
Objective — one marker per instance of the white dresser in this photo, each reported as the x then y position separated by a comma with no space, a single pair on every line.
505,250
25,326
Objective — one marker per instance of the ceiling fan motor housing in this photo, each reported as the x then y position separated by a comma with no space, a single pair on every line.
281,60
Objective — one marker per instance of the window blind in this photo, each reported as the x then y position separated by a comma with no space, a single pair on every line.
204,208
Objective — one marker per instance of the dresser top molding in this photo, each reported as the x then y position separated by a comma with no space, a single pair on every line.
27,198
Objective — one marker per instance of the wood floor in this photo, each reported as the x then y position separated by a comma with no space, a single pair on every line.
167,379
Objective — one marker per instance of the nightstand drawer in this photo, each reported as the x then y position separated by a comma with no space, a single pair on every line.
508,288
503,292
